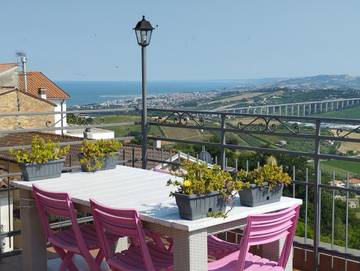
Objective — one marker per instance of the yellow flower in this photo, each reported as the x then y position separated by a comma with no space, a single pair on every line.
187,183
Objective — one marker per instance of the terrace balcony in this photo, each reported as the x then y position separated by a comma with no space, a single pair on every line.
328,220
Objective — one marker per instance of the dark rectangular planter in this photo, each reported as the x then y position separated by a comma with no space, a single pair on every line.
193,207
256,195
110,162
34,172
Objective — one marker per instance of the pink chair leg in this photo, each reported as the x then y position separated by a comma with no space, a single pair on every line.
91,262
63,255
67,262
99,257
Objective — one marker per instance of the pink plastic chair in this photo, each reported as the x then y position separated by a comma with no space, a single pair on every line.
79,239
140,255
217,248
262,229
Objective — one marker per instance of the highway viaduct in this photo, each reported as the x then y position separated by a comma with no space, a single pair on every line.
297,109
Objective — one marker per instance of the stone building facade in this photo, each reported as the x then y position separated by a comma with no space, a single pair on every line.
8,75
40,95
14,100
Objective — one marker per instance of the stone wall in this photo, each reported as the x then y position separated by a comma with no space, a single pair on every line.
9,78
16,101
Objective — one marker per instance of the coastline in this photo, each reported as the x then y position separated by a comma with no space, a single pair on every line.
90,92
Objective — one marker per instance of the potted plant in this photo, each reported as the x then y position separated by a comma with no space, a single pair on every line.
262,185
99,155
203,191
44,160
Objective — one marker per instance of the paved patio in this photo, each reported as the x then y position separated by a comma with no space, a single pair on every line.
14,264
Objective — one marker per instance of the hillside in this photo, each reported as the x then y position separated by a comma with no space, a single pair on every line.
314,82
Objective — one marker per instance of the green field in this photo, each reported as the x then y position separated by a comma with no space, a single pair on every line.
170,132
126,130
341,168
186,134
349,113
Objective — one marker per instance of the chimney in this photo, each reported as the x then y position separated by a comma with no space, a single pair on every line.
42,93
23,60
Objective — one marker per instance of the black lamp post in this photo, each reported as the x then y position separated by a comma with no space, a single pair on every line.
143,31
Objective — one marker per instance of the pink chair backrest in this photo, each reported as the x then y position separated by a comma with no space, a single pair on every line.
267,228
119,222
56,204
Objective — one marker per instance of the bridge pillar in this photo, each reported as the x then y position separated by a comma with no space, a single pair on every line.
298,110
304,110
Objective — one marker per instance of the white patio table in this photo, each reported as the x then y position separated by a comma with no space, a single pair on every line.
146,191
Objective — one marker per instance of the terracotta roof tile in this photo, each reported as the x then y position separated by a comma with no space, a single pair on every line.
354,181
7,66
38,80
25,138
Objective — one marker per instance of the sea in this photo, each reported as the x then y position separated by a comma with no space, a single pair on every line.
90,92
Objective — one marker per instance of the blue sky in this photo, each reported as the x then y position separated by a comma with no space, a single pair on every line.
195,40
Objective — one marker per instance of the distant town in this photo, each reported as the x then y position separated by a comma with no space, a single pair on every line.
159,101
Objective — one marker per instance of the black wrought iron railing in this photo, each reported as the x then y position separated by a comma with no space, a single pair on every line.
330,202
307,147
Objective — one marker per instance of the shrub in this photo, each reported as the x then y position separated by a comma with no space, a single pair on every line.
199,179
41,151
269,175
94,152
